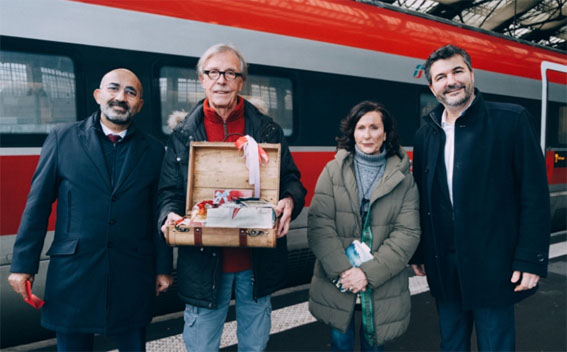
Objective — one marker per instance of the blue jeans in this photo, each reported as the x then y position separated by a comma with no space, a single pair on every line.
203,326
494,327
345,341
132,340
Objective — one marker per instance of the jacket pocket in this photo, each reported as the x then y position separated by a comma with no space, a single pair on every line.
63,247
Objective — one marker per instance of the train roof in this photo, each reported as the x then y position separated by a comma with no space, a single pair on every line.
528,28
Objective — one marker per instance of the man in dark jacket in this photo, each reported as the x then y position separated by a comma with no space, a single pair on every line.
206,275
107,258
484,204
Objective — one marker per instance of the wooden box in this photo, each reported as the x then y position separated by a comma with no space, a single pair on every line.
221,166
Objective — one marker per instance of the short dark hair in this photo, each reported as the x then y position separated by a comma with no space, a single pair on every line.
443,53
348,125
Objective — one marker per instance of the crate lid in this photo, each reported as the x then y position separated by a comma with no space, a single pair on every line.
221,166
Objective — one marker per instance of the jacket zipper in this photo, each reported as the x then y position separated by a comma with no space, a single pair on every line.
214,278
254,272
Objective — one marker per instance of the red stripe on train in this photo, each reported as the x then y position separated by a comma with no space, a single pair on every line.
16,173
357,25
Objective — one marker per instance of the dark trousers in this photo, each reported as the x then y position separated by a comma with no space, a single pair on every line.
494,326
132,340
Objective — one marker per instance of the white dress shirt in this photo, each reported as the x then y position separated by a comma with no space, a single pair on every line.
449,151
450,147
108,131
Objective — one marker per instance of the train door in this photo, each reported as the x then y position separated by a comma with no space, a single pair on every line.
553,140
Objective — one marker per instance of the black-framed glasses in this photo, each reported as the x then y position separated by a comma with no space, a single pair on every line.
228,75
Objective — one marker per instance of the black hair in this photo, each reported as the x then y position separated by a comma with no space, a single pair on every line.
443,53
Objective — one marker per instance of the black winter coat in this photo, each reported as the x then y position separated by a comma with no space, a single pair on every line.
501,203
106,251
199,269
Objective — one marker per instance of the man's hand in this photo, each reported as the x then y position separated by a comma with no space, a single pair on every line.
354,280
418,269
162,283
18,283
171,220
284,209
529,281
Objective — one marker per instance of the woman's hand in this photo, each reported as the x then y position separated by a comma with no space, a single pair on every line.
354,280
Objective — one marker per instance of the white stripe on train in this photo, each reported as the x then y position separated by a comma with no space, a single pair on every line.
192,38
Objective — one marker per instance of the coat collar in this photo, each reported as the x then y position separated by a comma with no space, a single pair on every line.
472,114
193,128
90,143
395,172
88,135
139,143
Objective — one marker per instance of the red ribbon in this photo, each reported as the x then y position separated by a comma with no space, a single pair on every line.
33,300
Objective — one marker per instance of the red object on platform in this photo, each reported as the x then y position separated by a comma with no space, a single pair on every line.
33,300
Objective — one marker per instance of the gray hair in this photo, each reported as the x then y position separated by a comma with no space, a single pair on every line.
221,48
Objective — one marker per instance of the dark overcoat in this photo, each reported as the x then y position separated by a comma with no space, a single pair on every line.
199,269
106,251
501,204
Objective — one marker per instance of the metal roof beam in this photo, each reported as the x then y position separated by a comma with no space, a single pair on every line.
559,13
503,16
450,8
545,31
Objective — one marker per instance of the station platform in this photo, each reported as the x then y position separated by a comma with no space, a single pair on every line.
541,320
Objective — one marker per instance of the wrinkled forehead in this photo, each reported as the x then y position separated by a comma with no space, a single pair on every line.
449,63
122,78
223,60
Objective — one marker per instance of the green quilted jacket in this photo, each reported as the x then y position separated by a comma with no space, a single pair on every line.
334,221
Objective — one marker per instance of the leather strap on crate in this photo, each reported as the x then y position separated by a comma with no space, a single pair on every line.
243,237
198,236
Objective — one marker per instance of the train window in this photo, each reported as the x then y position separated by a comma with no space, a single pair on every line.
181,90
36,92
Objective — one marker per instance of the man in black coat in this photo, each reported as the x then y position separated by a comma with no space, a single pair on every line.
484,203
107,260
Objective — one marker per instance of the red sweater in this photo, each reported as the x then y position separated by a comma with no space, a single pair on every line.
233,259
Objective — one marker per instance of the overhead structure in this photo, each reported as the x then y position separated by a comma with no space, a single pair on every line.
540,21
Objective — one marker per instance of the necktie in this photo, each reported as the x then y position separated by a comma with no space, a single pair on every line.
113,137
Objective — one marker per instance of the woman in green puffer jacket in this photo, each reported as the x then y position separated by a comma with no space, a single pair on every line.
366,193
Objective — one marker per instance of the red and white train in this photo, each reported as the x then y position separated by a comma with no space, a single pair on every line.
310,62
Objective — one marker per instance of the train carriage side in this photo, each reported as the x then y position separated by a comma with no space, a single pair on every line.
308,80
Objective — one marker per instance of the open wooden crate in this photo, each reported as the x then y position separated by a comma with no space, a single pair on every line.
221,166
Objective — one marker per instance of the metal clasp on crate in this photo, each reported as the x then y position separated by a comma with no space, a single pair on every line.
251,232
254,232
182,229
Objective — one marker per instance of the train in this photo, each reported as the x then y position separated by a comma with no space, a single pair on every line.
310,61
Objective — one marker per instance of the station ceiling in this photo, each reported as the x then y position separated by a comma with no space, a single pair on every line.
539,21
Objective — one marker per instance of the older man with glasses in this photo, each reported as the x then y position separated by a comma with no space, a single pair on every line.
207,274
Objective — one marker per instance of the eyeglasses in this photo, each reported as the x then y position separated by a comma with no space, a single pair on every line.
228,75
